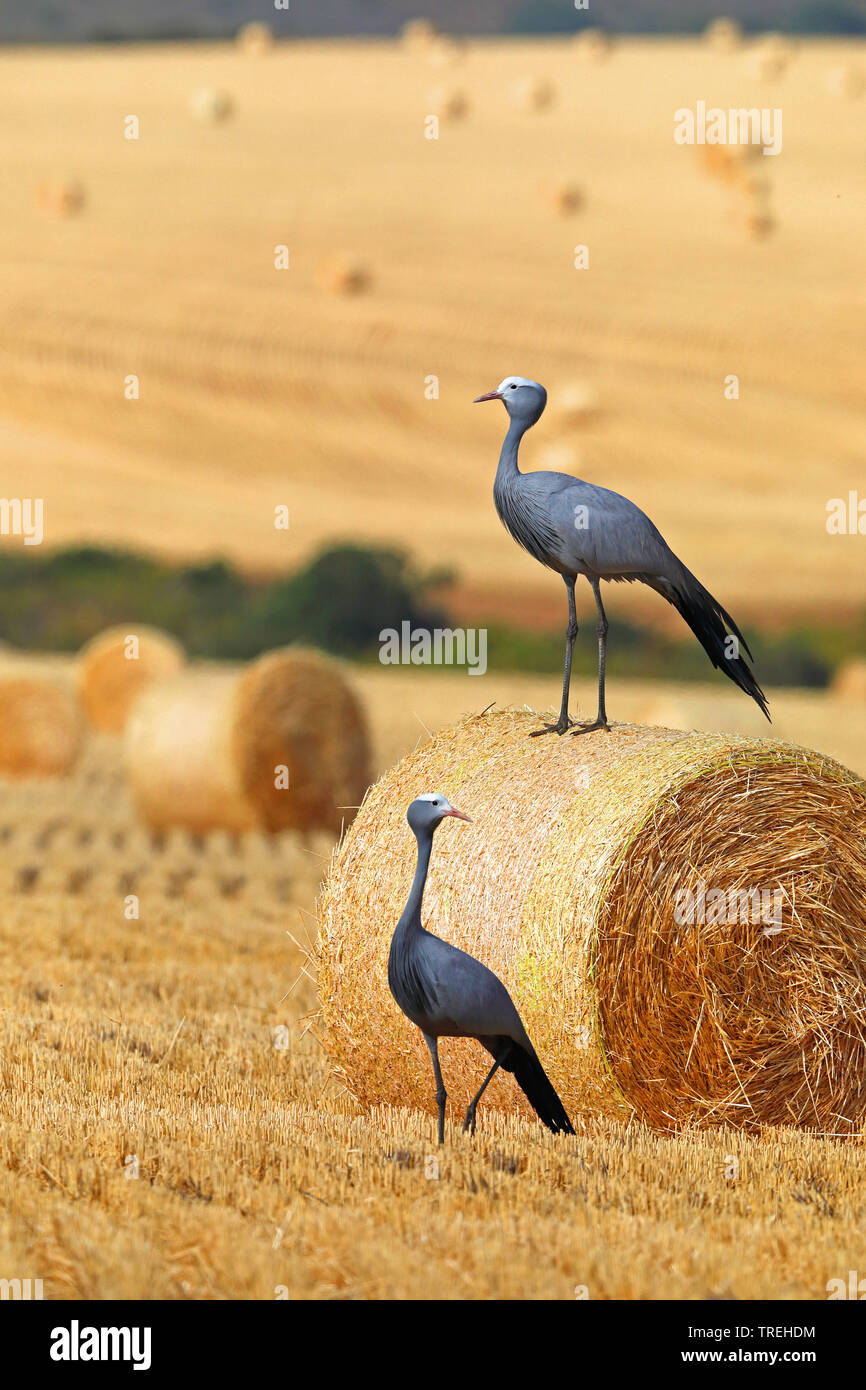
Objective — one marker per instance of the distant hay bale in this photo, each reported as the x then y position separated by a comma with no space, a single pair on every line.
593,45
445,52
448,103
116,665
343,273
574,402
730,164
756,186
849,682
207,749
60,197
255,38
211,105
40,719
847,81
418,34
532,93
723,34
759,219
573,884
560,457
768,58
564,197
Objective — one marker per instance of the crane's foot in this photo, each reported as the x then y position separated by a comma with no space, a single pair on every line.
588,728
561,726
469,1122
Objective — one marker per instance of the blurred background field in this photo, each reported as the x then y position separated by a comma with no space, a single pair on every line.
261,387
164,1137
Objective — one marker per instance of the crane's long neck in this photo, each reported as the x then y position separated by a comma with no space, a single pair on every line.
508,468
410,919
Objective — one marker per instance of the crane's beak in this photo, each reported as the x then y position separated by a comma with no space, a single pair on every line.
452,811
488,396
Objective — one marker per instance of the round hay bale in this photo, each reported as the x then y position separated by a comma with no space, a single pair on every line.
532,94
730,164
572,885
211,105
255,38
40,720
847,81
849,682
574,402
769,58
206,750
116,665
60,197
563,197
343,273
448,103
759,219
560,457
593,45
444,52
418,34
723,34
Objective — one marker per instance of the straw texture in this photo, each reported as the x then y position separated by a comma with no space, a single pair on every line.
40,721
213,748
569,884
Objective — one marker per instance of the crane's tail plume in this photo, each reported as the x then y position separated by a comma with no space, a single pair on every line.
717,633
533,1082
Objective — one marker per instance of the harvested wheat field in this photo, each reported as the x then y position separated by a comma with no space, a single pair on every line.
172,1128
305,386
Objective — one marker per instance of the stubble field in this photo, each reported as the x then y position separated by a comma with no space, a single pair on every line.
171,1128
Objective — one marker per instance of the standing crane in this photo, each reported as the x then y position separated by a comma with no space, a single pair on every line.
577,528
448,994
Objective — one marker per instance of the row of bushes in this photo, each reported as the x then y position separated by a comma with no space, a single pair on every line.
340,601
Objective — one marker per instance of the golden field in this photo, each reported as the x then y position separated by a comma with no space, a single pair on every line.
153,1046
260,387
170,1126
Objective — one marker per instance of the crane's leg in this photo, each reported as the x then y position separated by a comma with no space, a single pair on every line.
441,1093
469,1122
600,721
563,723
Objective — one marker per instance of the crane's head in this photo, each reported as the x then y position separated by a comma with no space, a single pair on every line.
428,810
523,399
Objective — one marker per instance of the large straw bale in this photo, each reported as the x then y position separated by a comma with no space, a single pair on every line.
566,885
40,718
205,749
113,670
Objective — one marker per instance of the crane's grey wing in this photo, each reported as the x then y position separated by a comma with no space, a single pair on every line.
600,532
464,998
